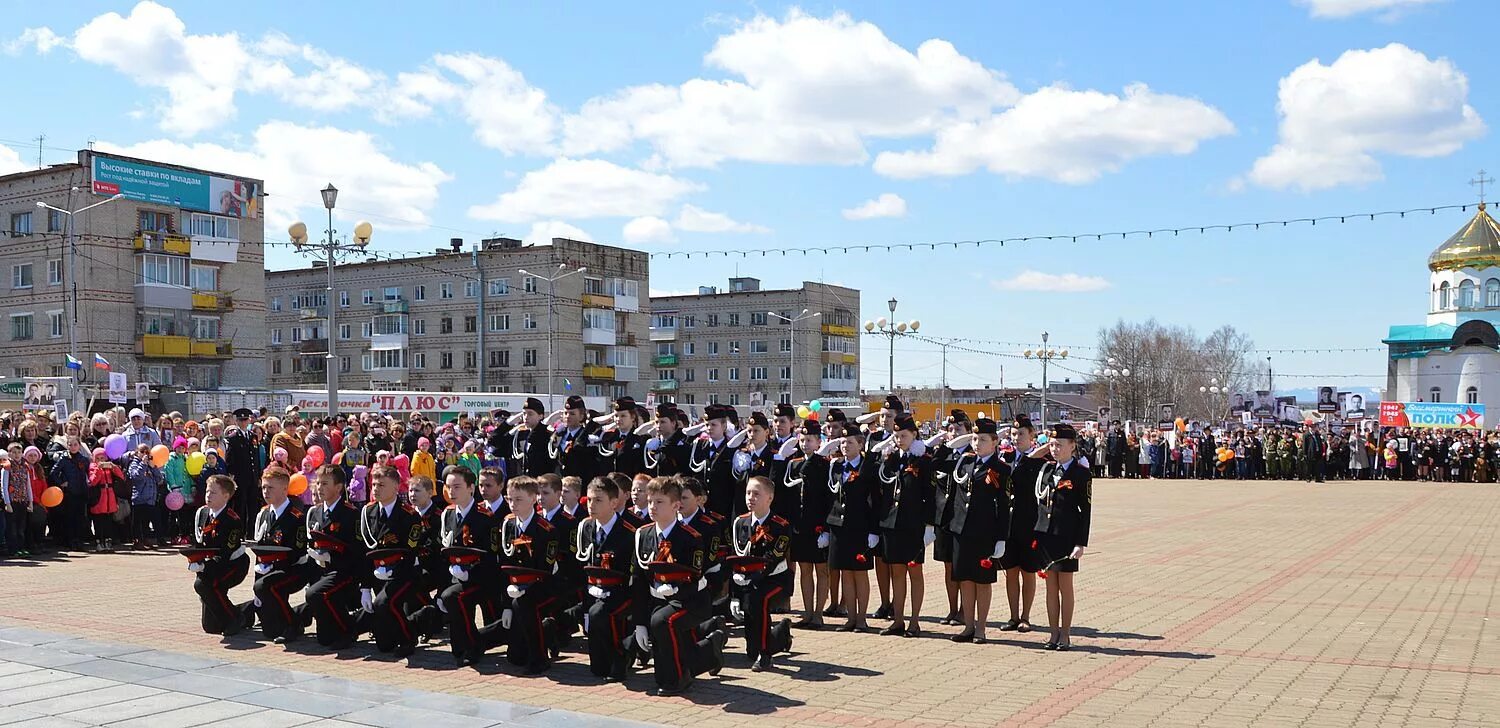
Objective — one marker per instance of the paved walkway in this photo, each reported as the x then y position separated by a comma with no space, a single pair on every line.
57,681
1203,603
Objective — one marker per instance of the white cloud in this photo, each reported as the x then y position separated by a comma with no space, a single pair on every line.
1066,136
648,229
889,204
695,220
42,39
297,161
1030,280
543,232
1336,118
1350,8
10,161
813,89
585,188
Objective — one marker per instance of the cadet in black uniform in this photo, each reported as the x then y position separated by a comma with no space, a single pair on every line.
945,455
1021,561
218,557
905,507
981,519
711,459
1064,495
530,546
851,536
668,619
471,543
570,444
334,545
393,593
804,479
279,574
604,545
762,573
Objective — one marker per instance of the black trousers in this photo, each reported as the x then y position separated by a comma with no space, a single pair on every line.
213,585
332,598
274,590
608,626
460,601
756,601
678,652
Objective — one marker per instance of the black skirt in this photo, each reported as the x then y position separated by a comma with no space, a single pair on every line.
902,546
848,550
943,547
804,547
969,556
1053,547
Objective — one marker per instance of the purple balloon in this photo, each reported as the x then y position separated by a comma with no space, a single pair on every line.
114,446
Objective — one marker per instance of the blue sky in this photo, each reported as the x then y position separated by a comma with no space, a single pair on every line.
735,125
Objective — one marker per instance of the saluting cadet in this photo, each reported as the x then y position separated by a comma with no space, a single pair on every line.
905,508
604,546
623,447
1064,494
217,557
530,546
805,478
674,605
711,459
981,513
393,593
471,544
570,443
762,573
281,569
334,545
669,449
1021,561
529,451
851,538
945,455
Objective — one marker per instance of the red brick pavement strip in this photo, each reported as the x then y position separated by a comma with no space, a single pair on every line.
1046,710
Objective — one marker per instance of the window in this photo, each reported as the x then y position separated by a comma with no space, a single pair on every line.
757,374
1466,291
343,332
471,289
159,374
20,326
500,359
786,346
367,296
445,360
528,357
1443,293
1472,395
164,270
276,303
471,359
689,321
757,319
734,374
471,324
55,273
687,375
759,347
1435,394
343,299
419,326
419,360
499,322
419,293
204,278
445,325
687,348
713,348
54,221
20,223
20,276
55,324
663,375
275,337
528,321
528,284
445,290
214,226
713,374
786,374
500,287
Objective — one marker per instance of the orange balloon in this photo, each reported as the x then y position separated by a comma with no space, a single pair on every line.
52,497
298,485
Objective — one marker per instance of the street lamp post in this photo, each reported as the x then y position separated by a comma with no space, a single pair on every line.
1045,355
890,330
72,288
331,251
792,325
552,319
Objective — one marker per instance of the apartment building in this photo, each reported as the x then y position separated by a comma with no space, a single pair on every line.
168,272
753,347
466,321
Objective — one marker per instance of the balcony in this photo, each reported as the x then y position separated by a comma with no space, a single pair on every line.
664,385
160,242
664,334
599,337
839,385
156,346
666,360
598,371
598,300
837,330
396,306
313,346
212,301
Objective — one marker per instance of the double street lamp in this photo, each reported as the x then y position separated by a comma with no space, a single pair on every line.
792,325
890,330
331,251
551,319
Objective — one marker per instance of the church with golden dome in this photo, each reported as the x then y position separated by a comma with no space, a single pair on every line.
1455,356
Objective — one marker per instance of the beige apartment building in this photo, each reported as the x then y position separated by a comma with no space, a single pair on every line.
745,346
466,321
168,273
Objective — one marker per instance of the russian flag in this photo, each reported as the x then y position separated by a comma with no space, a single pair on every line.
100,362
73,363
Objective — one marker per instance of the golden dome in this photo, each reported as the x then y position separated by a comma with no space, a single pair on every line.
1475,245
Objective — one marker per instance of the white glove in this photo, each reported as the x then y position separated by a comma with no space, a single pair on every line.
742,579
695,430
505,618
262,568
610,417
831,446
642,637
788,448
867,418
741,462
367,599
823,540
960,442
384,574
647,429
653,444
874,539
737,439
935,439
598,592
554,418
1077,552
918,448
516,418
928,536
458,572
195,566
999,550
515,591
